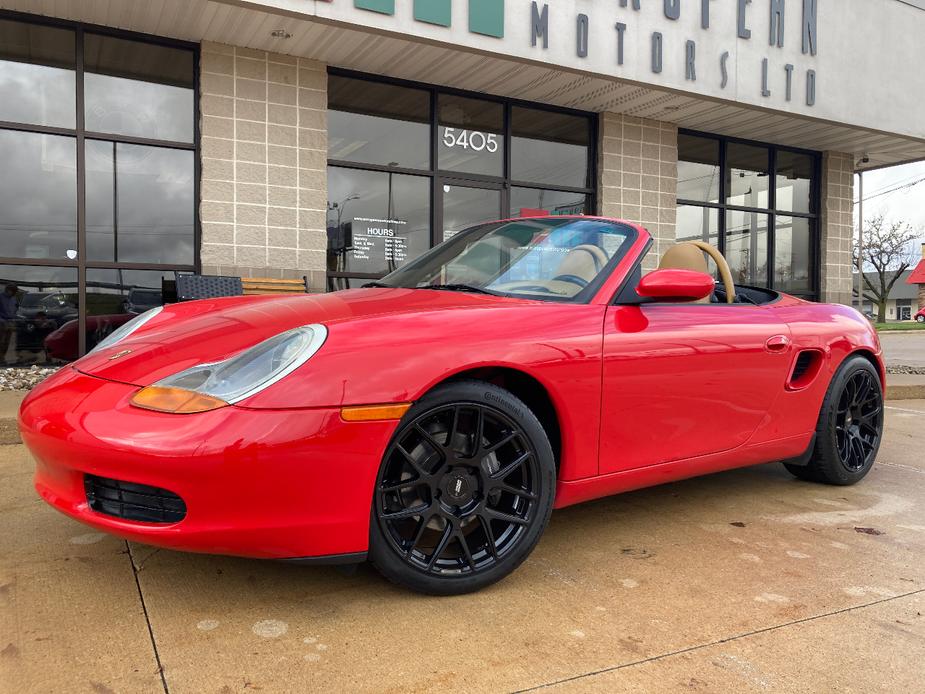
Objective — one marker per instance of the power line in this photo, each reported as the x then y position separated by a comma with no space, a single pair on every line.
892,190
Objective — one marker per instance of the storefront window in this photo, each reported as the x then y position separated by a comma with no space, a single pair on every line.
549,147
38,196
793,255
114,297
389,200
376,221
725,198
540,201
37,78
747,247
470,135
375,123
698,169
38,314
136,142
794,176
138,89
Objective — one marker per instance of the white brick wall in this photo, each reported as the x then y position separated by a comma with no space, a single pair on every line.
264,160
638,176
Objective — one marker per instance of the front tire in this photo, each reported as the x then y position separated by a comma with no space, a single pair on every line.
849,429
920,319
464,491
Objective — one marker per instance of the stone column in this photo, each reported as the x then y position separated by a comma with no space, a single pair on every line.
638,176
836,228
264,158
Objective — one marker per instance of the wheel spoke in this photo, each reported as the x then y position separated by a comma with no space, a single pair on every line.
404,484
506,517
503,442
518,491
404,513
441,544
431,441
510,467
492,545
463,543
414,462
418,534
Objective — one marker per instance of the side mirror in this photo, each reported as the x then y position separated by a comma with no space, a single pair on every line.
676,285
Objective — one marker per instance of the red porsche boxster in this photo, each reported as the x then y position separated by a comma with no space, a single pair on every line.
432,420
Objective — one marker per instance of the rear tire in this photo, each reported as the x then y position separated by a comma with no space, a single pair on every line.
920,319
849,429
464,491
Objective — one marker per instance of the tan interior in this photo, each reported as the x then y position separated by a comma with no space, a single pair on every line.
689,256
584,261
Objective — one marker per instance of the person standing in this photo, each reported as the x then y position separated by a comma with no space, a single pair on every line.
9,307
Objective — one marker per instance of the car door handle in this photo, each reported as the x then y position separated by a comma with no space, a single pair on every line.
777,343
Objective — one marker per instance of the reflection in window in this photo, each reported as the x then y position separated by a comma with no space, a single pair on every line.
698,169
154,203
38,196
38,314
138,89
747,175
534,201
377,123
747,247
465,207
376,221
114,297
549,148
470,137
37,78
794,173
793,253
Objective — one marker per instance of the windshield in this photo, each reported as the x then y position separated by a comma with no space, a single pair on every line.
542,258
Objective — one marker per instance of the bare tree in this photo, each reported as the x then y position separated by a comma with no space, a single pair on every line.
888,251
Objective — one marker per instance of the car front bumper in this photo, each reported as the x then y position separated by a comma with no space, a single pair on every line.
257,483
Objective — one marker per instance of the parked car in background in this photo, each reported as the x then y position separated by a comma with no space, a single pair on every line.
920,316
63,342
141,300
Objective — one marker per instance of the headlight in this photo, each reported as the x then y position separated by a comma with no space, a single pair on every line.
210,386
126,329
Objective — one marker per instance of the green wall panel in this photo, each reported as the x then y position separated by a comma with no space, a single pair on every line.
433,11
383,6
487,17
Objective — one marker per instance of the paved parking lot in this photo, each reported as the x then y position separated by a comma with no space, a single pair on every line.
742,581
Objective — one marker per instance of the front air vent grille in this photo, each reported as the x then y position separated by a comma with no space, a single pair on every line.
130,501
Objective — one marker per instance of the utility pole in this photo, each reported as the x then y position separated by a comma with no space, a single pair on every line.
861,241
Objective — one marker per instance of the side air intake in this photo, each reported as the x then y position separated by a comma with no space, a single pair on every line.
805,369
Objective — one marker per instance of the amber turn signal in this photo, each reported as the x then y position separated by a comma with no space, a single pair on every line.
175,400
372,413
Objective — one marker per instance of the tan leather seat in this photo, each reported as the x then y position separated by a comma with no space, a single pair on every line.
584,261
685,256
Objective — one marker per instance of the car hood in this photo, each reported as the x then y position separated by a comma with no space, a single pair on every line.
198,332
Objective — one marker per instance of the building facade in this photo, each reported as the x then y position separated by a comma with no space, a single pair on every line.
337,140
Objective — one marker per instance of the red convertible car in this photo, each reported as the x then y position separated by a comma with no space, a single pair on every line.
431,421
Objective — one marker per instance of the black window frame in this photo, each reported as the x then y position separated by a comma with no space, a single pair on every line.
722,207
504,182
81,135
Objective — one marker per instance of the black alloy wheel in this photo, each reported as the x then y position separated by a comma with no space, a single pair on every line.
464,490
858,420
850,426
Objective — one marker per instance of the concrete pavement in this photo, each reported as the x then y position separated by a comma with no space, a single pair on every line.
742,581
904,347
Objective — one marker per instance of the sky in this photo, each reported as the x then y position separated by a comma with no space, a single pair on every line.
888,192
